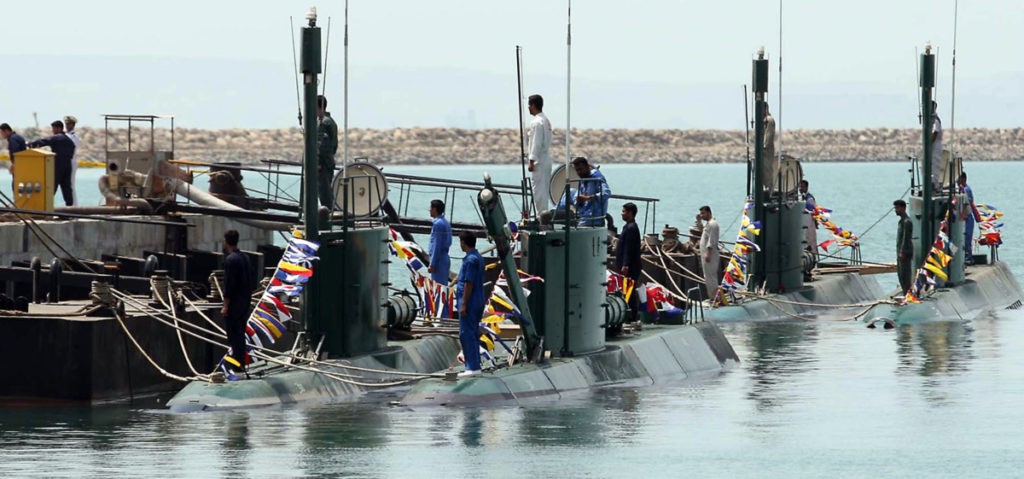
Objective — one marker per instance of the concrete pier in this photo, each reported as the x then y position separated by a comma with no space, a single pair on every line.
57,355
89,239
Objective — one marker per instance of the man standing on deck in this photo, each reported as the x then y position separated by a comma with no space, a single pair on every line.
709,252
327,146
904,245
63,150
440,241
238,287
592,194
470,296
770,162
540,134
810,225
936,148
627,256
15,143
69,123
970,215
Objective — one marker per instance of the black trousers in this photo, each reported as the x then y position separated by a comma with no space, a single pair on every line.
904,270
325,193
62,176
235,327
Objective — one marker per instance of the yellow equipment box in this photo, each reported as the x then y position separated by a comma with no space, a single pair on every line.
33,180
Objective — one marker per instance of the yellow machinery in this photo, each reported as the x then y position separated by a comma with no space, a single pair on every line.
33,180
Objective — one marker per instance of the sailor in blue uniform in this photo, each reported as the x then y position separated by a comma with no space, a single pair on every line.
470,296
971,214
440,241
593,193
64,151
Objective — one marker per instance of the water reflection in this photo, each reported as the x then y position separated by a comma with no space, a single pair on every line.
235,445
346,426
935,351
336,436
472,428
777,351
935,348
575,426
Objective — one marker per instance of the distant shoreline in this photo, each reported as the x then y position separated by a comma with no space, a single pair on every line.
453,146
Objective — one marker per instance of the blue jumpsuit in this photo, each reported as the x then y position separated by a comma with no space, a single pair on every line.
472,272
440,241
592,212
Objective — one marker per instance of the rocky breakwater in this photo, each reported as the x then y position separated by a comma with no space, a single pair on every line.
458,146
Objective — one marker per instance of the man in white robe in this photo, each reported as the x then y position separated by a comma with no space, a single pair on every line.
769,164
936,172
539,134
709,252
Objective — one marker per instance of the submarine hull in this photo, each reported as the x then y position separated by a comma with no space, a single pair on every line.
990,287
273,386
658,353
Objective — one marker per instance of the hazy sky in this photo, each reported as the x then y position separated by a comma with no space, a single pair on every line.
650,64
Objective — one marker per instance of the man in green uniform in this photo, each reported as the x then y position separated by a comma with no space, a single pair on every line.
327,146
904,246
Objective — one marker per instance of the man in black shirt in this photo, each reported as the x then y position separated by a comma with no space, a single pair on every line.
15,143
238,287
64,150
627,256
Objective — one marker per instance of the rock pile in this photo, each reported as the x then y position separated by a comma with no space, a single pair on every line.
454,146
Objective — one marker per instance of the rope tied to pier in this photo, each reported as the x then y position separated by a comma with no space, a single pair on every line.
261,352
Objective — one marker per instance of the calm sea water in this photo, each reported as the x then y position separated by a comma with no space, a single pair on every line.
810,399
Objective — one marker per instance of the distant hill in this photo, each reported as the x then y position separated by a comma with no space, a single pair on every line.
489,146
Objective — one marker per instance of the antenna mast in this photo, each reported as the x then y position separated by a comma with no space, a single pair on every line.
952,103
568,93
778,117
295,61
527,196
746,124
327,49
344,159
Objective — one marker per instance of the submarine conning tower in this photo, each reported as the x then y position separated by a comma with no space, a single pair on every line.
779,265
930,200
344,309
568,309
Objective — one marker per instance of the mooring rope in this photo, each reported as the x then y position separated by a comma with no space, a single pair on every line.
818,305
258,352
163,284
146,355
203,315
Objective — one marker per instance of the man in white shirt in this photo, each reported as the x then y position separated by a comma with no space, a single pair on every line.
69,125
539,134
709,251
936,148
